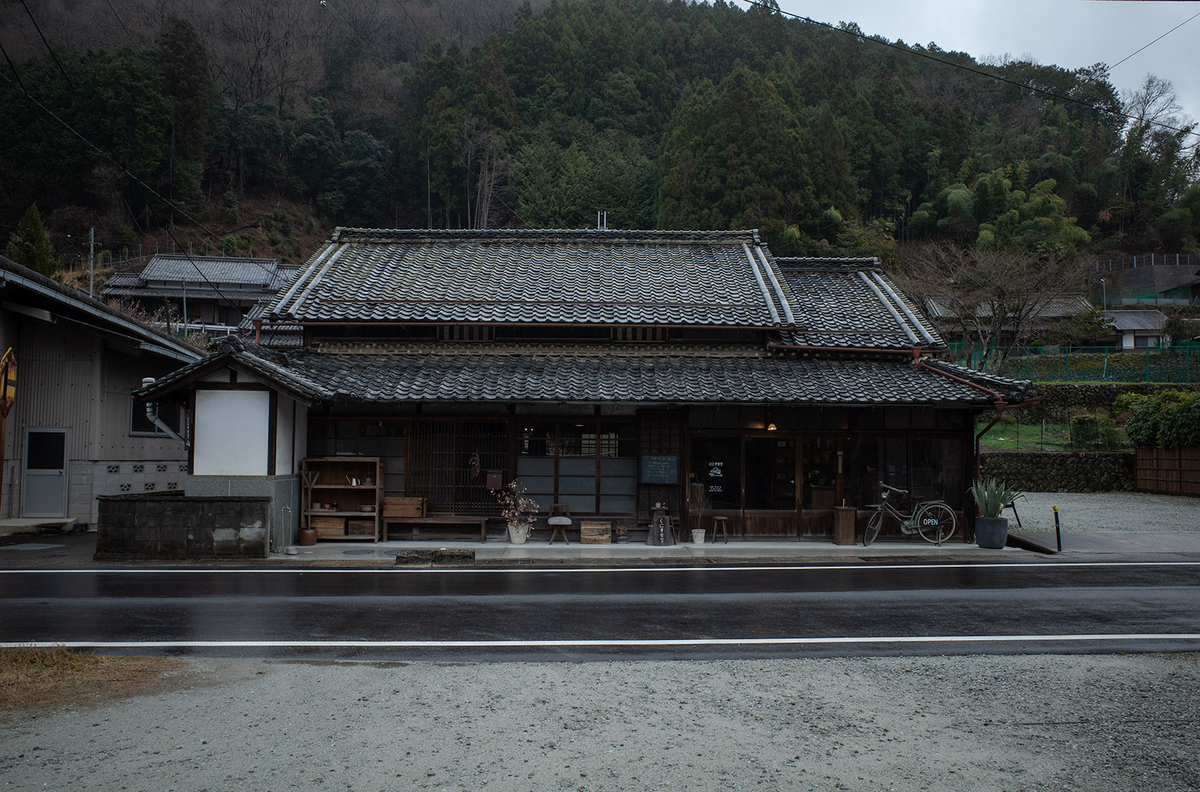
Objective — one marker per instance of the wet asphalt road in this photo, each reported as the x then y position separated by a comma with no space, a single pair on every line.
593,614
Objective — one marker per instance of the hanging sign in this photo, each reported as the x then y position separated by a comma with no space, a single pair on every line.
8,382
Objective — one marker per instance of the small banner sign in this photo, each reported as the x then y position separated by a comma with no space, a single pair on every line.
8,382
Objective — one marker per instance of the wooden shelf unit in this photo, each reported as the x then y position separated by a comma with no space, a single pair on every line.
325,482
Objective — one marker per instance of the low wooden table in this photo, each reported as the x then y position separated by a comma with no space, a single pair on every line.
440,520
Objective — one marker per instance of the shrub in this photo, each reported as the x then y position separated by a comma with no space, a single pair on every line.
1170,419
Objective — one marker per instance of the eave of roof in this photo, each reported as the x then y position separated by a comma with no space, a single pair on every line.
146,337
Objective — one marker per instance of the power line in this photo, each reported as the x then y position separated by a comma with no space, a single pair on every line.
1160,38
138,181
999,78
47,43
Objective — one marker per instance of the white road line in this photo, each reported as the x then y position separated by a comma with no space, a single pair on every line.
584,570
613,642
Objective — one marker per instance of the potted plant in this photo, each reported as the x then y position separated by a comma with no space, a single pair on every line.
517,509
622,532
700,503
991,496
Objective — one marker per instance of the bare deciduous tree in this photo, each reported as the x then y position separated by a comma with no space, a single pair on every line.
992,300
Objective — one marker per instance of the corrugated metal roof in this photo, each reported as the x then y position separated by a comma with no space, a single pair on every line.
1137,320
580,277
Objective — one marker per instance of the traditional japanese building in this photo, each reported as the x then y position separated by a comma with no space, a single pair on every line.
607,370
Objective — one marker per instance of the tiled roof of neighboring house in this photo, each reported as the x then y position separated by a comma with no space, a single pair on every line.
1137,320
203,278
273,336
408,373
851,303
221,270
713,278
1055,307
71,307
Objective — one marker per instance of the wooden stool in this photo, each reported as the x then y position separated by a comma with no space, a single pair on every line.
721,524
560,518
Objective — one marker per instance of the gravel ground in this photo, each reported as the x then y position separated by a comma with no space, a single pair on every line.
927,723
1096,512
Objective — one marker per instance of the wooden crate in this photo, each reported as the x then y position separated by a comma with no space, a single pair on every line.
595,532
328,526
403,507
360,527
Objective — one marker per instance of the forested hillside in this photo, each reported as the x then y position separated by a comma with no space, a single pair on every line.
490,114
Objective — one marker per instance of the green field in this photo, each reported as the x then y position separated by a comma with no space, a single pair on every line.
1005,436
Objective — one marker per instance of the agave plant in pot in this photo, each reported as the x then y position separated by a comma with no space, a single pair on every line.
517,509
991,496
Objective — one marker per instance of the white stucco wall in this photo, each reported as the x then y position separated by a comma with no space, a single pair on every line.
231,433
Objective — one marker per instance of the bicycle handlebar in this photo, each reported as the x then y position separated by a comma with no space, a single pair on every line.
893,489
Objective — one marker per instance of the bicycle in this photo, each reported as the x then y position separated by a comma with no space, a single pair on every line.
933,520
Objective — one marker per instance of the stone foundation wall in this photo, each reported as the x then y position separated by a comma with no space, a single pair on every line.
174,526
1062,471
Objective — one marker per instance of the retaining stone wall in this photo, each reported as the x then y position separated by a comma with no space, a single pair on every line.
174,526
1062,471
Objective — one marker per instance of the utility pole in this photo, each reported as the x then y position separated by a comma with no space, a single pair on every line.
92,263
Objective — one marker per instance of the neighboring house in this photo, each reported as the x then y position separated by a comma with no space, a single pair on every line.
607,370
73,431
1165,279
211,294
1137,329
1046,311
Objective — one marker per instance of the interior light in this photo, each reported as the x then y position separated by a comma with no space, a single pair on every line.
771,427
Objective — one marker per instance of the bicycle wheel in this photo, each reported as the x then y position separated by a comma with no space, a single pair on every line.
872,529
936,522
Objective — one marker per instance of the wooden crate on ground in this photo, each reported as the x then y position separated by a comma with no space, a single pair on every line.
595,532
403,507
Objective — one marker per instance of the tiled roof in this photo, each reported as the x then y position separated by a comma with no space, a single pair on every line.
399,373
248,272
717,278
851,303
1048,307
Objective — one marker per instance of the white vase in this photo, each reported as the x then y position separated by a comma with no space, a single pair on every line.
518,534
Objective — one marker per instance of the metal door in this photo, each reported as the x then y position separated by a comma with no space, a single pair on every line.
44,482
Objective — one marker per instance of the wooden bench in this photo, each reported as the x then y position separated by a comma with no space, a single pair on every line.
440,520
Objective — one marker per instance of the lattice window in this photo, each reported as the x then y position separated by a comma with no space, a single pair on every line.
450,460
639,334
466,333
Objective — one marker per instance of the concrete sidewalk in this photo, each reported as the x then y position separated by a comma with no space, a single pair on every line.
1100,526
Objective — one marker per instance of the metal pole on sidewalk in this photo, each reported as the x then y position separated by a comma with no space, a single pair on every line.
1057,531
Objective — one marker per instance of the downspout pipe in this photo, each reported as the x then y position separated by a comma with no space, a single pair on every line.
152,415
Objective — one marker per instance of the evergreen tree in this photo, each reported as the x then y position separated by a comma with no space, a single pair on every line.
30,246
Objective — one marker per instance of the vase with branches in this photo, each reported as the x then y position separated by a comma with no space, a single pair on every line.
517,509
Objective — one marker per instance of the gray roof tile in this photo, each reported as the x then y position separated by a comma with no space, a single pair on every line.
584,277
397,373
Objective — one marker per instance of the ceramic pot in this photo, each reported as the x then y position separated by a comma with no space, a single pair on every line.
698,535
518,535
991,532
308,537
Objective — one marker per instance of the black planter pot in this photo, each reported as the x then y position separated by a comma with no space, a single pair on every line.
991,532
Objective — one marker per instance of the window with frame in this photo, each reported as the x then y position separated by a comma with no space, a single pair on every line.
590,466
141,426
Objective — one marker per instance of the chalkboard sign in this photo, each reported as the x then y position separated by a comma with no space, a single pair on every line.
660,469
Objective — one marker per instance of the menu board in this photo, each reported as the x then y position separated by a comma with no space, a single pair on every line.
660,469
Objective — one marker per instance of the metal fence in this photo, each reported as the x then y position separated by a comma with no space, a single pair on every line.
1179,364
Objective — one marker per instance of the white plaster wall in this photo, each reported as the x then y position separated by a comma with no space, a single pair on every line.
1127,339
231,433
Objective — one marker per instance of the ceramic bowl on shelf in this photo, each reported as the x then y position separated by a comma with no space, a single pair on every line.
367,509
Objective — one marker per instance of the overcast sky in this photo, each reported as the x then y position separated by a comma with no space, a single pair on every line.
1066,33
